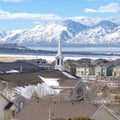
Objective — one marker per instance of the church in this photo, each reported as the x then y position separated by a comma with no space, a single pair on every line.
50,94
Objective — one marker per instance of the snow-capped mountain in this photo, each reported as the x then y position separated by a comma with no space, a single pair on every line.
104,32
69,31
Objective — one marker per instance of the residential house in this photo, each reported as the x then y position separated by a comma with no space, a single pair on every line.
85,71
50,110
70,68
116,71
118,80
116,62
7,108
104,69
18,66
79,92
70,65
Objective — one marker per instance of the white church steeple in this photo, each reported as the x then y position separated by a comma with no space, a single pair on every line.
59,64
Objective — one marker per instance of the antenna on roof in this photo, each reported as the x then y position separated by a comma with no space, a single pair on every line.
21,69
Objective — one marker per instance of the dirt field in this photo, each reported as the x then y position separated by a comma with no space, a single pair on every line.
12,58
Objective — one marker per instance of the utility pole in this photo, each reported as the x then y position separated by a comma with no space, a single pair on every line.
49,114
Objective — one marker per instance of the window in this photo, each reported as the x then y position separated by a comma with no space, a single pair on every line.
82,72
13,113
58,61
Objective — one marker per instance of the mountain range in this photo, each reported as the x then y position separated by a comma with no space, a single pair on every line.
70,32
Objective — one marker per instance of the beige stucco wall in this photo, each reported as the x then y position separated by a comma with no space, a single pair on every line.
82,71
7,114
3,103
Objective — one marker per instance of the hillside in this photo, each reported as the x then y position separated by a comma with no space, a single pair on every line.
70,32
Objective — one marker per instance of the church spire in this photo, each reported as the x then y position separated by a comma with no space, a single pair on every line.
59,52
59,64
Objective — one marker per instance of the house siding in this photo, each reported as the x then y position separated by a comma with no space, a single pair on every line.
3,103
7,115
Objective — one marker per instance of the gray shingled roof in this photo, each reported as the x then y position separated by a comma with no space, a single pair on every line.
23,79
40,110
26,67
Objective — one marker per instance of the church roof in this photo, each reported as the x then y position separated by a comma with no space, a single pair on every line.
23,79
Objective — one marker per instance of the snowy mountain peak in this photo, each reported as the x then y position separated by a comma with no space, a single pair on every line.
74,27
107,25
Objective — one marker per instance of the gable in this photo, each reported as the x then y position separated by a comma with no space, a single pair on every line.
103,114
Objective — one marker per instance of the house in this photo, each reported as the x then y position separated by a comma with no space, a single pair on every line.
104,69
85,71
54,110
116,71
116,62
50,110
79,92
7,108
70,68
18,66
29,82
70,65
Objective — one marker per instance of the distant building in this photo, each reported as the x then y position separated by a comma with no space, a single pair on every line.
18,66
116,71
116,62
79,93
104,69
70,68
84,70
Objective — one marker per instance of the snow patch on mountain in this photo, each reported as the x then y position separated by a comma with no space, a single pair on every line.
69,31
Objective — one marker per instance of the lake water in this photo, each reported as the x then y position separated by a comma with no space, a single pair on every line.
106,50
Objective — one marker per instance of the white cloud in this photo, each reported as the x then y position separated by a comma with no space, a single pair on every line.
77,17
12,0
112,8
28,16
89,10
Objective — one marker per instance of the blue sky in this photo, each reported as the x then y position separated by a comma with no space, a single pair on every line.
23,14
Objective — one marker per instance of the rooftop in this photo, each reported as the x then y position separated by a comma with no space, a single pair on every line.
23,79
40,110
